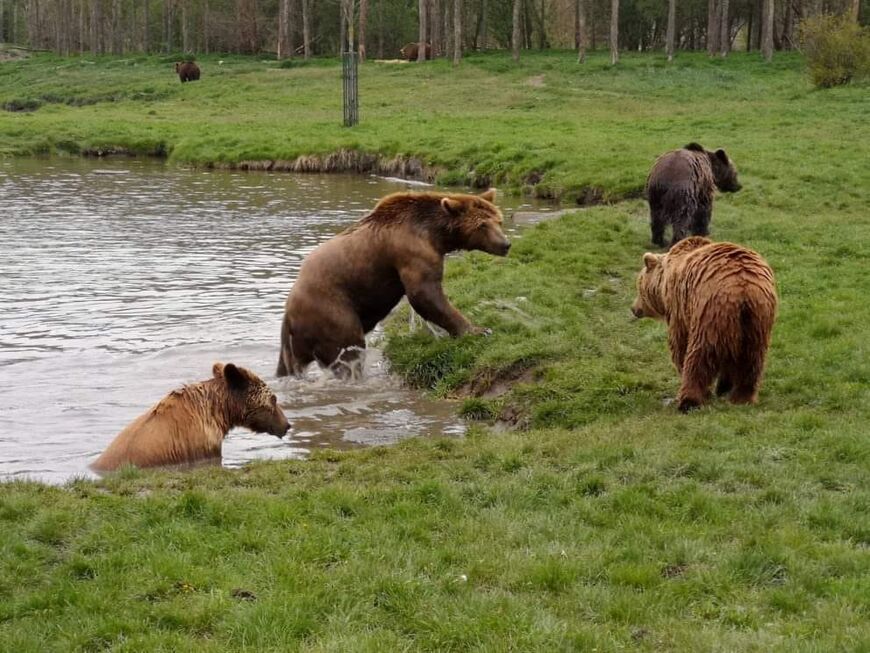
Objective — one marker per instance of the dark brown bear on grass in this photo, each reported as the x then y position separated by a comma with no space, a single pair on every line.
719,302
351,282
411,51
187,71
190,424
680,190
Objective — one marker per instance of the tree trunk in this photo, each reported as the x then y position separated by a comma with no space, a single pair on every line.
515,35
283,30
436,21
724,29
306,28
712,27
767,30
855,10
363,24
483,25
424,30
670,35
581,31
380,29
96,26
2,22
457,32
185,29
614,32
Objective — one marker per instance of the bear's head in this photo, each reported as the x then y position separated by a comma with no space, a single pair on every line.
251,401
724,172
177,65
650,300
475,223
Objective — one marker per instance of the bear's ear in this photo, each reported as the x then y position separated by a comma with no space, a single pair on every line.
489,195
720,154
451,206
650,260
217,370
236,380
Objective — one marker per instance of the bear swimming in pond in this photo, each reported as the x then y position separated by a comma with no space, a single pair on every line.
190,424
351,282
719,302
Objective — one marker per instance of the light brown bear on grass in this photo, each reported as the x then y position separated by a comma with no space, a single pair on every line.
351,282
719,302
190,424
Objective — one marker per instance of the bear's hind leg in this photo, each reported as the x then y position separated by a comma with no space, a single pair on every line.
699,370
747,378
657,222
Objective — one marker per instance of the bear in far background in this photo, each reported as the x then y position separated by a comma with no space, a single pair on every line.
719,302
187,71
680,189
411,50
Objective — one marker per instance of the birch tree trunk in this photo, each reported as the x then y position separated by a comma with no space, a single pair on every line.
363,24
581,31
515,36
614,32
306,28
670,35
421,42
767,30
724,30
457,32
712,27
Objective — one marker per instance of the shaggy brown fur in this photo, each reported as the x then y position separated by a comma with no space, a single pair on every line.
190,424
187,71
719,302
680,190
410,51
351,282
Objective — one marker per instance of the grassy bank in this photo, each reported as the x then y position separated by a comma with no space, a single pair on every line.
606,521
585,131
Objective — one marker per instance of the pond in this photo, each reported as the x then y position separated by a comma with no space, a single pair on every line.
122,279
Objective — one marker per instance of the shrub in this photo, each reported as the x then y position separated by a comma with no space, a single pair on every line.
837,50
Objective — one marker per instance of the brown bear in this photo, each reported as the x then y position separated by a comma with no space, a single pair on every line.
719,302
351,282
680,188
187,71
190,424
411,51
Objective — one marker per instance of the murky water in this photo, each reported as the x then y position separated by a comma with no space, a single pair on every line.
121,280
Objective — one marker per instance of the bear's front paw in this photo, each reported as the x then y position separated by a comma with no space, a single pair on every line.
480,331
685,404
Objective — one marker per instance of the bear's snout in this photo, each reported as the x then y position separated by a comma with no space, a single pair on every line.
505,248
637,311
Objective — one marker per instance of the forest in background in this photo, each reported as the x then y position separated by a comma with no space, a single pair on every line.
287,28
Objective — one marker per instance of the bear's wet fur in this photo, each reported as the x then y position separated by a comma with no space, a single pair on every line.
187,71
719,302
680,189
189,424
351,282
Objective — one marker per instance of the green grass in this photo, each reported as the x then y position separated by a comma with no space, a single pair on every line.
607,521
588,130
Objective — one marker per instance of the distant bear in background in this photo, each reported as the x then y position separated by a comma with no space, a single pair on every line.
351,282
719,302
411,50
190,424
187,71
680,189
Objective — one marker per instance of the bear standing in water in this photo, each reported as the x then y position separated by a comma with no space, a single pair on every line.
719,302
351,282
190,424
680,189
